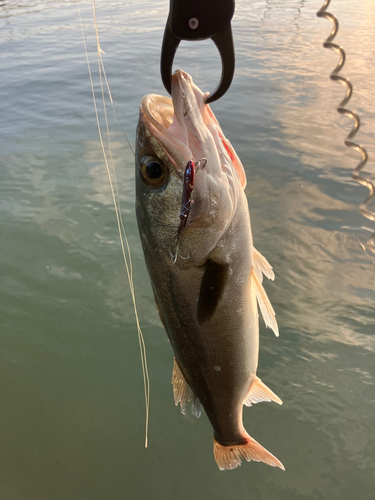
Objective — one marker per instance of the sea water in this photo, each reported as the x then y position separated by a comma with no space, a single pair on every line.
72,411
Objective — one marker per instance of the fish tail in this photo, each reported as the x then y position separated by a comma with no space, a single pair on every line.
229,457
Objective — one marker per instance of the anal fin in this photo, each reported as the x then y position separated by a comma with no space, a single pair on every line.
183,393
260,392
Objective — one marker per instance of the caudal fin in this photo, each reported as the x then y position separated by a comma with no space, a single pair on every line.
229,457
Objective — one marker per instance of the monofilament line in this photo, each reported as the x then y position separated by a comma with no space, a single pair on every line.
114,189
350,114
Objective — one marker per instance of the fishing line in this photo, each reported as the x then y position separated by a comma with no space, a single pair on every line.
116,201
101,65
350,114
102,71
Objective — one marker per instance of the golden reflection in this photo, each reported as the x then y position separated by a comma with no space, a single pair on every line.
318,267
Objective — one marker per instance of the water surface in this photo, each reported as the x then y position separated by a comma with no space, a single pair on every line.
72,411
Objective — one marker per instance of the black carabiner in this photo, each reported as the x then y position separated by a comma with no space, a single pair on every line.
200,20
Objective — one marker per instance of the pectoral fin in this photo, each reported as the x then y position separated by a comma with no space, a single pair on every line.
260,392
183,393
264,303
212,288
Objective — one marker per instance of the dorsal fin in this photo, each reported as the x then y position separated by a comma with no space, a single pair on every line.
213,284
262,266
264,303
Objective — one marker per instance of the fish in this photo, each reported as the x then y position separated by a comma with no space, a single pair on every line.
206,275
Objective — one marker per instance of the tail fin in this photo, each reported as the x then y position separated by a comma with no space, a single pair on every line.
229,457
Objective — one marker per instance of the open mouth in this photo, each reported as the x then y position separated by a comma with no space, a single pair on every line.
179,124
158,110
157,113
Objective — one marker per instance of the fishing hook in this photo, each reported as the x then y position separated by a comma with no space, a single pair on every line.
200,164
350,114
176,253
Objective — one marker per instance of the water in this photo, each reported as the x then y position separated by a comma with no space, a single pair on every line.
72,411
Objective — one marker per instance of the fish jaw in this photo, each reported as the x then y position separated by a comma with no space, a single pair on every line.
156,113
191,119
217,188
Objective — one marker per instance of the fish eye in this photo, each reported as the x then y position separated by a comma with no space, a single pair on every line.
154,170
154,174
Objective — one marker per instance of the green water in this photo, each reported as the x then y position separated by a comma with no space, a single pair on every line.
71,396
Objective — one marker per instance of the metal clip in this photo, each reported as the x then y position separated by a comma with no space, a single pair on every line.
197,20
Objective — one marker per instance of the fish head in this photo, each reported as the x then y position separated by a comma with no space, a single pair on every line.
170,134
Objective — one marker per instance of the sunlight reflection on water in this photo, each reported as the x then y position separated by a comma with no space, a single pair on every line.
72,403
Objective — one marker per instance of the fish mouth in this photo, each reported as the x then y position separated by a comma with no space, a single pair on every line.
157,115
190,113
179,124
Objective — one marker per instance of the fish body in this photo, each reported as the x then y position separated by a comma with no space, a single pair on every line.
205,273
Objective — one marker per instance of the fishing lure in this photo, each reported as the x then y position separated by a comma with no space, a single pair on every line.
187,202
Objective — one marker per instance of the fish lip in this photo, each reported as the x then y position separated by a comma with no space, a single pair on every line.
189,107
157,113
184,82
178,121
179,78
150,105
